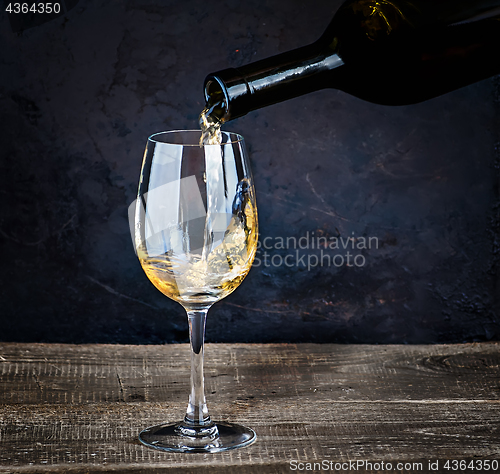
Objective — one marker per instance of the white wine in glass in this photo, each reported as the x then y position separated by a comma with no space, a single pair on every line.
195,233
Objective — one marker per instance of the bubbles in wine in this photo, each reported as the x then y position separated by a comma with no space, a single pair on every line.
211,276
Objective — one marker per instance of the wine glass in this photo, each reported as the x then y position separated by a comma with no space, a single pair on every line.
195,233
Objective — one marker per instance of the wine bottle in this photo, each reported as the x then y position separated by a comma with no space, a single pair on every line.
390,52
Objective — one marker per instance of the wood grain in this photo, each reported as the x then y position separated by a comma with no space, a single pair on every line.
69,408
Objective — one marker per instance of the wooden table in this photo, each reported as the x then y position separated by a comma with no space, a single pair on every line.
79,408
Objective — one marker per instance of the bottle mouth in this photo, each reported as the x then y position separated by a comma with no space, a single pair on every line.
227,93
216,98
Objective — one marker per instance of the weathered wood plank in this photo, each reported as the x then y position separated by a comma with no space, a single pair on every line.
67,408
107,373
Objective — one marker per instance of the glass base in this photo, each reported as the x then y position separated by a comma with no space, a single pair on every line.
179,438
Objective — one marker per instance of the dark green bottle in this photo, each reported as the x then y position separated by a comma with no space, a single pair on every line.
390,52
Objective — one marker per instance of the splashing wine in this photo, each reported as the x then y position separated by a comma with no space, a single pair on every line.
210,126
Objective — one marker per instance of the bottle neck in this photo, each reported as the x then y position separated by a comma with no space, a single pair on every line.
232,93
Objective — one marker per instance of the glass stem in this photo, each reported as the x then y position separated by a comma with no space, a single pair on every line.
197,411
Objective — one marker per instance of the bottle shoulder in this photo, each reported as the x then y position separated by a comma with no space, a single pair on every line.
360,29
363,28
377,19
373,20
404,52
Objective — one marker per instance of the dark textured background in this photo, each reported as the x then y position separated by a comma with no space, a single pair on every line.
79,96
